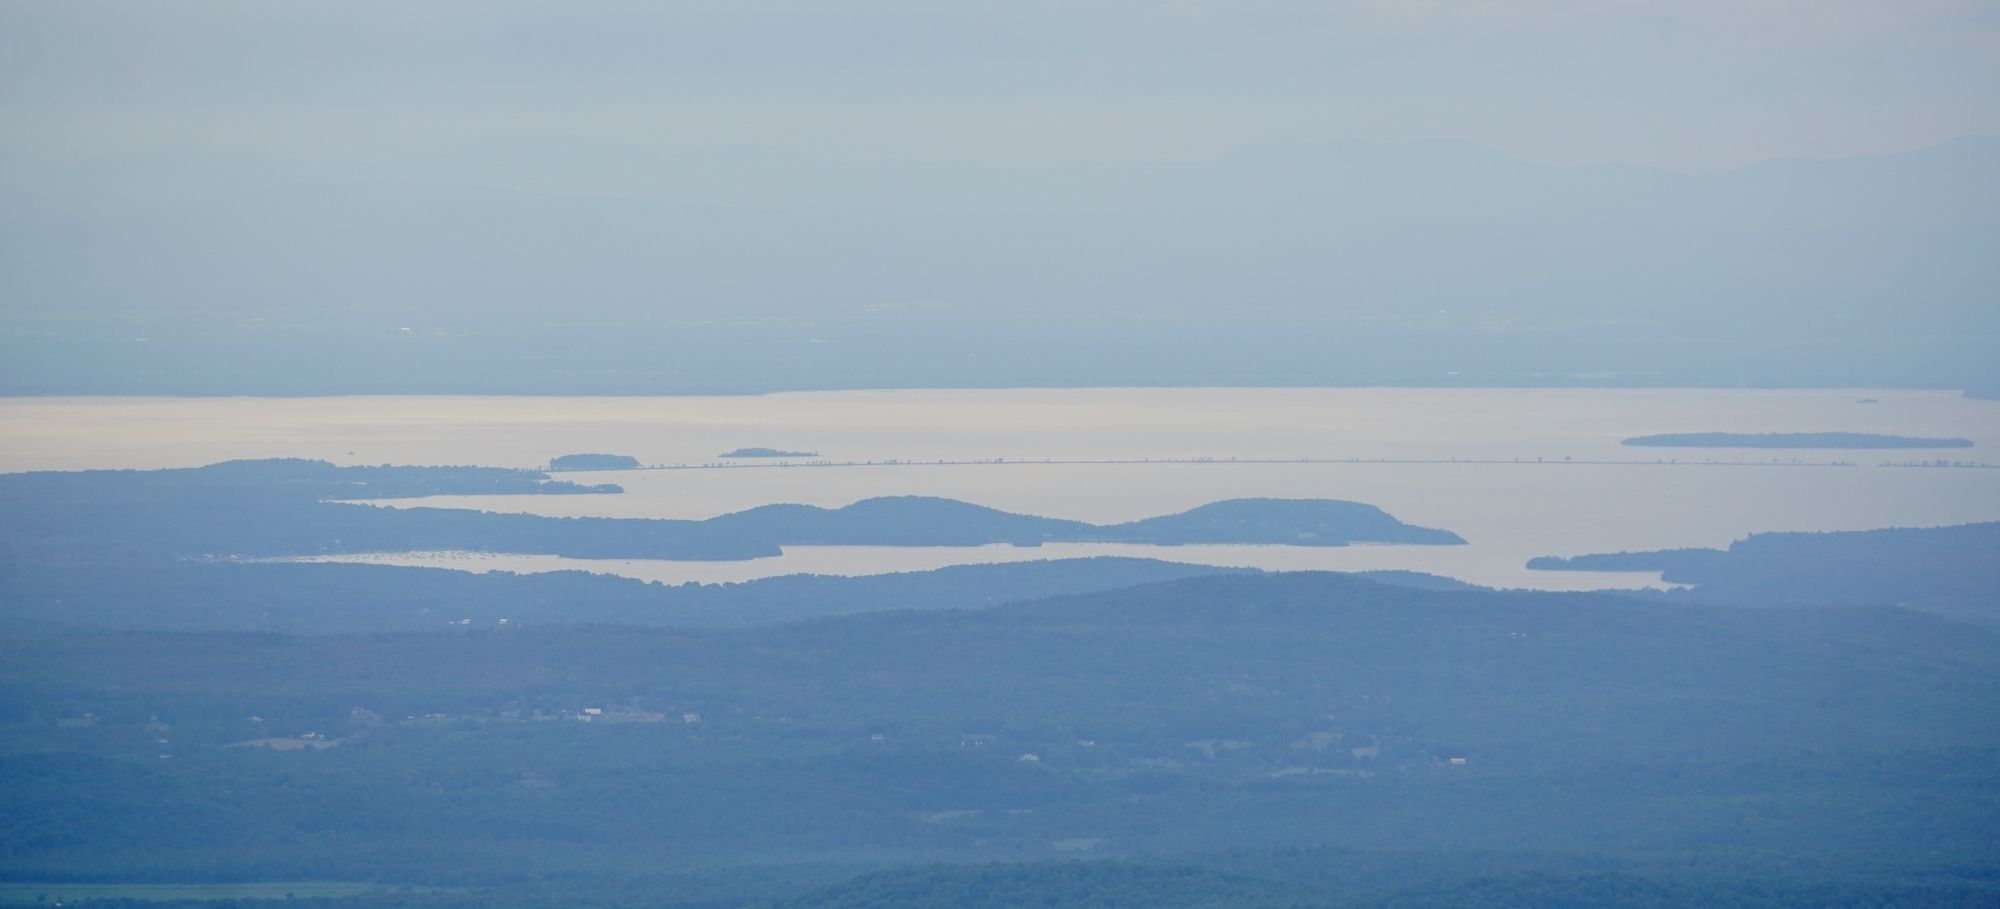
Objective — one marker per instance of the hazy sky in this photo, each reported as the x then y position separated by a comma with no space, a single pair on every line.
1693,84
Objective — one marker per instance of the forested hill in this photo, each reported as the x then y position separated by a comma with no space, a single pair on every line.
1951,569
1296,522
277,508
317,598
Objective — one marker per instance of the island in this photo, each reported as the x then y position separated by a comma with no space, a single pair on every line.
767,453
278,509
594,462
1791,440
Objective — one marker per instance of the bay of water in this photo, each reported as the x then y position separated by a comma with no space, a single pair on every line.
1517,472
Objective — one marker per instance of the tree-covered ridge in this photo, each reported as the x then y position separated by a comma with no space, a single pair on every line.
336,598
1792,440
282,508
1295,522
1952,569
333,598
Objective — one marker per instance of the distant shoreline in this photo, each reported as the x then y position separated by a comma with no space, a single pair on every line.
1842,440
1030,462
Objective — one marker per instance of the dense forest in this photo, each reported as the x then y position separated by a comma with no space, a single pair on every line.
1952,570
1215,712
311,598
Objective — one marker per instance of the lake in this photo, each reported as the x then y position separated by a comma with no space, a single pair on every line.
1517,472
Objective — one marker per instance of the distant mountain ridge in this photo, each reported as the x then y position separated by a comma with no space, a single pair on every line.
321,598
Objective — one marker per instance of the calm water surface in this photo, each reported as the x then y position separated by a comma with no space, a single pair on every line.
1540,498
